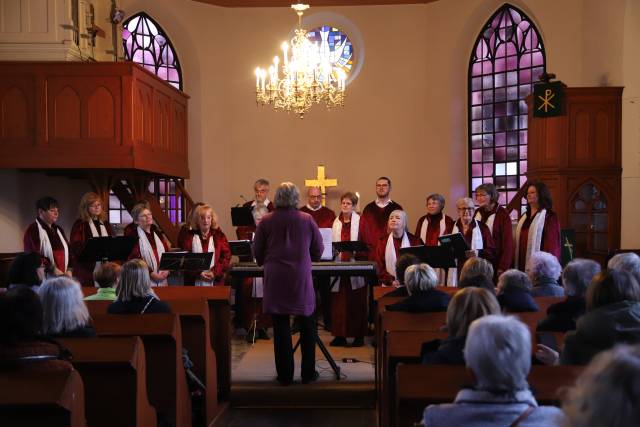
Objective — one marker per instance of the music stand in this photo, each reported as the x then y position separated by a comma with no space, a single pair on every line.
185,261
107,249
350,246
436,256
457,244
241,249
242,216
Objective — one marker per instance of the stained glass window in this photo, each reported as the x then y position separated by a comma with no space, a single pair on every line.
334,45
508,57
147,44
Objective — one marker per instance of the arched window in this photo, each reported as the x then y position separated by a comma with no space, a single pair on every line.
147,44
507,58
335,47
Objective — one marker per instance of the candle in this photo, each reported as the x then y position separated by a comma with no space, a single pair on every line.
257,78
285,48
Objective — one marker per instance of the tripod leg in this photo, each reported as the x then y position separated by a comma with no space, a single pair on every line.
327,355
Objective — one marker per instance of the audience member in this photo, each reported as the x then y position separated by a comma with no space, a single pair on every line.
466,306
106,276
613,317
498,352
514,292
477,281
544,271
421,281
135,295
475,266
626,261
26,269
608,391
64,313
404,261
576,276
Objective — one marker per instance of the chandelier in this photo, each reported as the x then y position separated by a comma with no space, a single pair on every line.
307,77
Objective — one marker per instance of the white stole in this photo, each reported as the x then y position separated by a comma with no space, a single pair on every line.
147,252
425,225
390,253
196,248
534,242
476,243
47,250
336,236
94,230
489,222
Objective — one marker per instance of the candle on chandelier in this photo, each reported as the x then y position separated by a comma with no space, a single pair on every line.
257,78
285,48
276,61
263,76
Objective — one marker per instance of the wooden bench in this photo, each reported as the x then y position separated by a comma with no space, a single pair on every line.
34,398
114,374
162,338
418,386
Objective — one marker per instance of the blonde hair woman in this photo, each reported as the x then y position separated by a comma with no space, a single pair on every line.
64,313
135,295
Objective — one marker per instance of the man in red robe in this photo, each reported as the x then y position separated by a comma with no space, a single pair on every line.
376,215
55,252
324,217
261,190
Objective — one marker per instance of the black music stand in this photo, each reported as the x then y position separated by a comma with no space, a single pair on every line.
457,243
108,249
242,216
436,256
241,248
185,261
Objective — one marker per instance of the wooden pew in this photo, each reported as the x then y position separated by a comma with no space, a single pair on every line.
34,398
545,302
217,298
114,374
418,386
162,338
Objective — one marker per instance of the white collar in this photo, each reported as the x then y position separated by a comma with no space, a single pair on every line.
382,205
314,210
266,202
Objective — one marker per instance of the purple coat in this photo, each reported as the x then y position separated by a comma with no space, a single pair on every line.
286,242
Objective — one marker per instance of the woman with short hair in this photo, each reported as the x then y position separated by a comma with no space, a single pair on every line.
544,271
106,276
64,311
498,352
476,266
421,281
26,269
91,222
206,236
514,292
150,245
466,306
135,295
435,223
538,228
388,247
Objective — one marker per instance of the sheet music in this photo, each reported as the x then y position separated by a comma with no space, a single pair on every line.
327,238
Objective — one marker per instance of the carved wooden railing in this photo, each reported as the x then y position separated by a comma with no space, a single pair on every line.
516,201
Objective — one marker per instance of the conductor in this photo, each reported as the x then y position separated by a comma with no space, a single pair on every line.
286,241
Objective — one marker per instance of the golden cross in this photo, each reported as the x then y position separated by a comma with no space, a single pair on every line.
321,181
546,100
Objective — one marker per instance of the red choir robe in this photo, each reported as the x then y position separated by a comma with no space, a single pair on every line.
80,234
488,250
131,229
222,254
433,229
502,234
184,233
384,276
31,242
323,216
375,221
349,306
135,252
246,232
550,237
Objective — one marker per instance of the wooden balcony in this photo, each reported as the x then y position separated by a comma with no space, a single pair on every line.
91,116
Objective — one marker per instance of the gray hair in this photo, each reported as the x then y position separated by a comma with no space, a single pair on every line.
420,277
475,266
468,202
498,351
577,275
513,279
438,198
134,280
287,196
63,307
627,261
543,264
606,394
259,183
404,216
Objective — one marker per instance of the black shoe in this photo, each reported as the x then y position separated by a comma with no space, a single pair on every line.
262,334
338,342
313,378
358,342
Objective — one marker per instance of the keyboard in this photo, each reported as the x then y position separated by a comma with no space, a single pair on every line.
356,268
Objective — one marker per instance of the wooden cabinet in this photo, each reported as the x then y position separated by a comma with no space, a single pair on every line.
578,155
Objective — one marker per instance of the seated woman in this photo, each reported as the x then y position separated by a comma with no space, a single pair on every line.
402,264
514,292
626,261
576,276
150,245
206,236
421,281
606,393
477,281
498,352
26,269
476,234
64,313
135,295
613,317
544,270
476,266
388,247
466,306
106,276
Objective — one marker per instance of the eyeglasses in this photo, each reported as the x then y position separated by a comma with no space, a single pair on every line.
466,209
